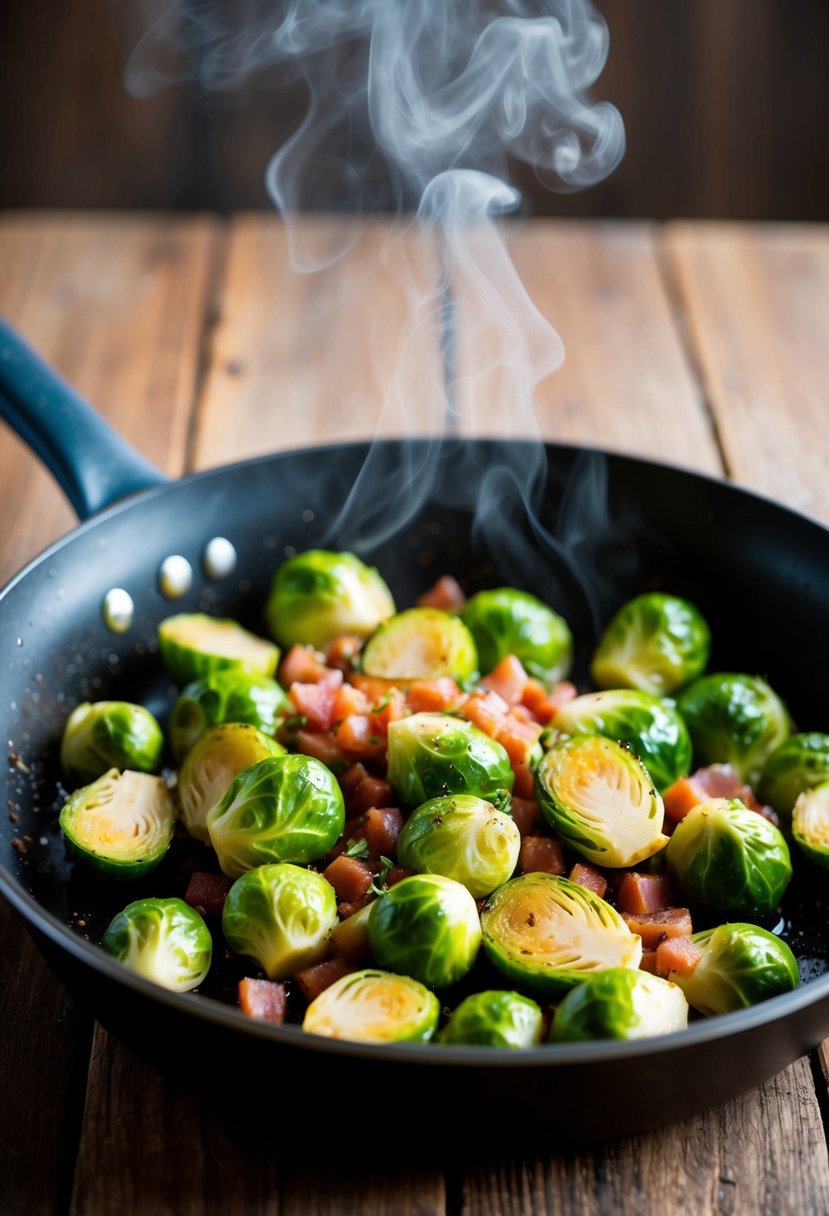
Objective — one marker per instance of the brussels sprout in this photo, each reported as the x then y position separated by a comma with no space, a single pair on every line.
121,824
726,858
285,808
619,1004
650,727
421,644
655,643
317,595
494,1019
504,621
734,719
741,965
426,926
810,823
281,916
600,800
374,1007
430,755
165,940
210,766
192,645
461,837
109,734
226,696
800,763
548,934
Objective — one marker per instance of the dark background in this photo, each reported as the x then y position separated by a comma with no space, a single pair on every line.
726,105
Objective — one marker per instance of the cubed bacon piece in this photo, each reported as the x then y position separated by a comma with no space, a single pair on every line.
485,710
315,702
445,594
347,910
375,687
648,961
508,678
390,707
263,999
541,854
397,874
587,876
519,740
303,665
322,746
372,791
645,893
350,779
544,705
314,980
343,652
360,735
682,797
656,927
349,876
206,893
349,700
433,696
676,956
380,827
527,816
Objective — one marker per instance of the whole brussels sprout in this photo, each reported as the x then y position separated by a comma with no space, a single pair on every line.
548,934
121,825
461,837
505,621
430,755
800,763
210,766
192,644
740,965
734,719
373,1006
421,644
619,1004
426,926
285,808
810,823
600,800
728,859
650,727
226,696
655,642
109,734
494,1019
281,916
165,940
316,596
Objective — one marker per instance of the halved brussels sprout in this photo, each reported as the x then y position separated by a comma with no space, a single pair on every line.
734,719
619,1004
810,823
461,837
226,696
728,859
548,934
109,734
505,621
650,727
421,644
121,824
494,1019
285,808
165,940
316,596
281,916
800,763
600,800
373,1006
426,926
655,642
430,755
210,766
193,644
740,966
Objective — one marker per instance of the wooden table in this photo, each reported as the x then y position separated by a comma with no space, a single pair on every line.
704,345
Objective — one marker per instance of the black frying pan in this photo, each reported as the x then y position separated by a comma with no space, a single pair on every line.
759,572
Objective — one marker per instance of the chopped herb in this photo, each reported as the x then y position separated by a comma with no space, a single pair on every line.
296,722
356,848
380,886
374,741
381,705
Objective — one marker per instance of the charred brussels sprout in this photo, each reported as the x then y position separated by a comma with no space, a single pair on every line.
192,645
461,837
619,1004
165,940
494,1019
226,696
728,859
430,755
317,595
427,927
740,965
373,1006
121,824
421,644
655,643
109,734
285,808
281,916
810,823
505,621
600,800
650,727
734,719
210,766
800,763
548,934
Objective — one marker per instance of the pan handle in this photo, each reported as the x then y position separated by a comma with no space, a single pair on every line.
92,464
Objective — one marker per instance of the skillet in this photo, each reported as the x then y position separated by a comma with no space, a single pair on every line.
758,571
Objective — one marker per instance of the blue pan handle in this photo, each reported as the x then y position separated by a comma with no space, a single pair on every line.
92,464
